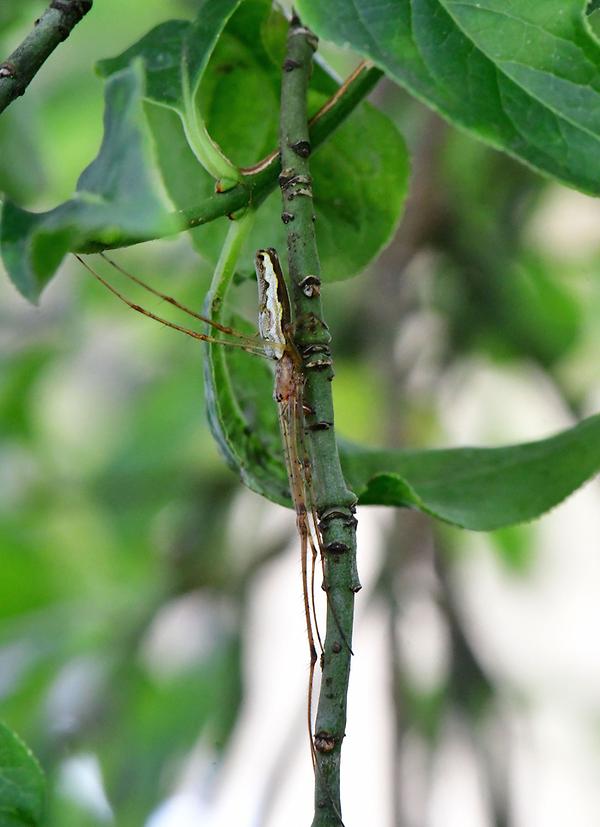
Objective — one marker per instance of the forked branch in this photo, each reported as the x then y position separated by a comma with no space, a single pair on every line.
261,179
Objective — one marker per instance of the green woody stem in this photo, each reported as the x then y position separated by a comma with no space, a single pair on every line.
333,501
54,26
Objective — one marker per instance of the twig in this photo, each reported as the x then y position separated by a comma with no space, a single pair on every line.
54,26
333,501
260,180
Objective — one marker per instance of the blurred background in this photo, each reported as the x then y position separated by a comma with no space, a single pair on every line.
152,644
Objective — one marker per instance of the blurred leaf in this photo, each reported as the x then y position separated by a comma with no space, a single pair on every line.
594,21
424,710
515,546
524,79
161,718
11,13
22,783
116,194
21,173
495,292
17,384
29,579
478,488
509,308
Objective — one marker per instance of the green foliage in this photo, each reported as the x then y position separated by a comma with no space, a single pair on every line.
524,79
20,167
476,488
113,501
22,784
116,193
360,175
175,56
479,488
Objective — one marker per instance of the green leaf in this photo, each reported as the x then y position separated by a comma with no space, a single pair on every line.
117,194
479,488
22,783
476,488
175,55
160,52
524,76
21,172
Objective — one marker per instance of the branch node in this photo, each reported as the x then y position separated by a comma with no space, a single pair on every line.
298,30
302,148
344,515
320,426
8,70
336,548
324,741
310,286
285,176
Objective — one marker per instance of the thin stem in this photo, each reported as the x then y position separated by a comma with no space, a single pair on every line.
259,181
226,265
54,26
202,145
333,502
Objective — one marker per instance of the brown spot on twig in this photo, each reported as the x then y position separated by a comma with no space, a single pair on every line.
289,64
324,742
8,70
336,547
301,148
286,217
285,176
311,347
318,364
310,286
320,426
